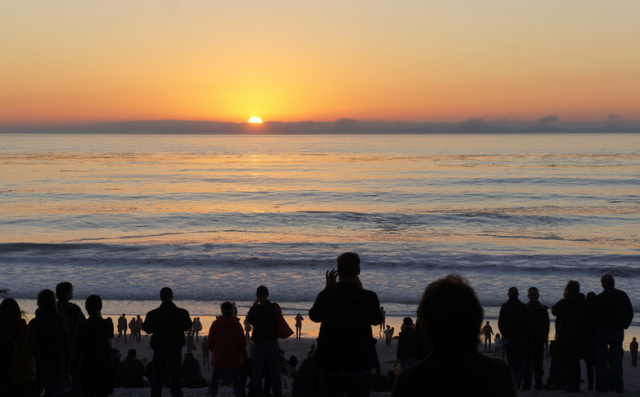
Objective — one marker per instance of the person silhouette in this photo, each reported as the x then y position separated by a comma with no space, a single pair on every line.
451,315
167,325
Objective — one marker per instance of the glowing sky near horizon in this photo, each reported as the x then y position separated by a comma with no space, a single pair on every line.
412,60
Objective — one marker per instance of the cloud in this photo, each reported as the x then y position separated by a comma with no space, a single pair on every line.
547,124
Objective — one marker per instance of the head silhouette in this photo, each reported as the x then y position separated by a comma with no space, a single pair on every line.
607,281
450,315
348,265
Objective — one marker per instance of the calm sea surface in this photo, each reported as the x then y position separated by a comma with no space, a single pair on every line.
213,217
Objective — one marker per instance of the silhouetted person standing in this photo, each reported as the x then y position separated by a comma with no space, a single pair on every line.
50,327
16,381
346,351
613,314
570,312
299,320
167,324
266,350
633,349
487,331
122,327
514,322
534,355
94,352
73,314
451,316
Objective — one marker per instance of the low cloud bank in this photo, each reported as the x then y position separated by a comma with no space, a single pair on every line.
547,124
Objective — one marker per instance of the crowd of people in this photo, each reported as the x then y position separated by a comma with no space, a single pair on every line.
62,351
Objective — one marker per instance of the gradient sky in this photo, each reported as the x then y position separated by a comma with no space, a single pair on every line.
411,60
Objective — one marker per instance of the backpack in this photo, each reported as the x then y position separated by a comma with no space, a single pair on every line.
22,366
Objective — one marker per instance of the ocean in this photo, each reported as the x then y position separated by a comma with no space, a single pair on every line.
213,217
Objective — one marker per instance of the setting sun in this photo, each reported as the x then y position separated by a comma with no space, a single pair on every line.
255,120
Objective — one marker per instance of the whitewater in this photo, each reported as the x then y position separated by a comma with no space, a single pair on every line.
213,217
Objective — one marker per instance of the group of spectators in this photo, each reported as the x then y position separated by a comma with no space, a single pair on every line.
588,327
438,354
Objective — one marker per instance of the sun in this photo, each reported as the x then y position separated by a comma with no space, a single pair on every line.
255,120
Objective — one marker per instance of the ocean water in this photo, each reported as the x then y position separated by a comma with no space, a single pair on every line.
213,217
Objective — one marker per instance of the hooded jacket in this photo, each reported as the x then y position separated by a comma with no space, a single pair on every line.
227,343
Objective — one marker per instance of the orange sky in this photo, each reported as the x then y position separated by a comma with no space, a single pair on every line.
68,61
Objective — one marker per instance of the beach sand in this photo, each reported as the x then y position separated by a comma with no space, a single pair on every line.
386,354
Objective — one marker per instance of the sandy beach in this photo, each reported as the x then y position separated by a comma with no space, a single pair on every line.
386,354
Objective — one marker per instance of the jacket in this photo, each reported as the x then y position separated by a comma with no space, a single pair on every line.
571,315
53,344
613,309
226,342
264,319
345,342
407,347
167,324
18,330
514,320
539,322
93,347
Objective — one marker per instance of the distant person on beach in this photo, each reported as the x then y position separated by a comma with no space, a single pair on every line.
139,328
122,327
227,344
206,353
132,327
539,332
384,321
189,342
73,315
266,350
197,327
407,351
451,316
167,325
590,343
50,327
388,334
346,351
514,322
612,314
299,320
487,331
247,329
94,352
497,347
633,349
16,381
235,310
130,371
571,316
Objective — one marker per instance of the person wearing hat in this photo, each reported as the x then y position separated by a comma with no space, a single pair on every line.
264,319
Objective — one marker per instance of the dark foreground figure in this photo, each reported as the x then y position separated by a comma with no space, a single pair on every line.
451,316
168,323
346,351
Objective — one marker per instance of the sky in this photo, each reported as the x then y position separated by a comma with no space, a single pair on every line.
74,61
